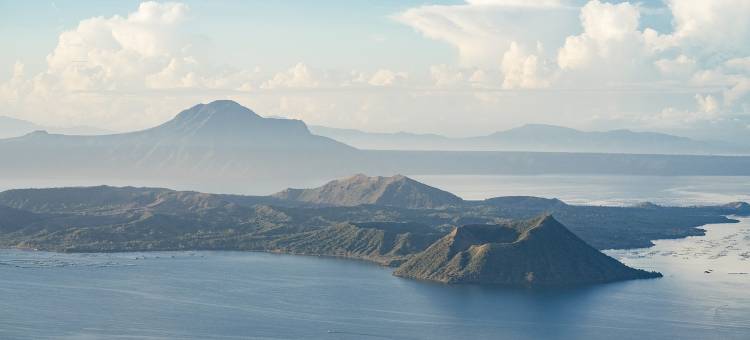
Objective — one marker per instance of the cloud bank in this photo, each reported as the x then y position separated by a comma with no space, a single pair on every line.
592,64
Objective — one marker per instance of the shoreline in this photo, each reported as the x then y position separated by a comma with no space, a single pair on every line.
734,220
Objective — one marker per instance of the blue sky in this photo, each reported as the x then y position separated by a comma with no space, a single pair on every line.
450,67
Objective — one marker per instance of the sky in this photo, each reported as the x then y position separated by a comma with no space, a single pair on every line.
457,68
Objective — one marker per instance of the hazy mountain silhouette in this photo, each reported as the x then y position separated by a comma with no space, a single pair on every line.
220,123
389,141
229,124
225,147
536,137
208,142
12,127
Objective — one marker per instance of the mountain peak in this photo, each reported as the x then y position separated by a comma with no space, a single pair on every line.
225,126
545,227
516,253
226,104
537,129
217,118
225,110
360,189
545,220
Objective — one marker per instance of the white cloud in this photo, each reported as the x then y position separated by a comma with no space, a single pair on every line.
605,21
738,91
710,26
105,70
707,103
299,76
682,65
610,33
117,52
102,56
599,63
385,77
518,3
446,76
707,109
706,51
463,28
524,70
13,89
483,30
740,65
484,78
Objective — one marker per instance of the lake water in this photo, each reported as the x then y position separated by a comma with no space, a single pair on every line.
235,295
599,190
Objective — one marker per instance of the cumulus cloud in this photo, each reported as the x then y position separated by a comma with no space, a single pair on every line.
610,36
524,70
105,71
483,30
384,77
709,26
707,103
518,3
680,66
302,76
299,76
705,50
560,62
103,57
117,52
446,76
12,90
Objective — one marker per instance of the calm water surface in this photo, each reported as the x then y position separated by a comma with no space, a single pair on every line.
235,295
599,190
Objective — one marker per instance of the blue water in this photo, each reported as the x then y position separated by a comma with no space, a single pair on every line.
237,295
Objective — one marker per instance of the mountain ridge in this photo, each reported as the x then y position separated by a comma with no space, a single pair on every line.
537,252
601,226
521,138
507,251
397,190
13,127
536,137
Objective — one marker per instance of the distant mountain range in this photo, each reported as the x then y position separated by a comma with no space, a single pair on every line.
424,232
530,137
12,127
536,137
224,147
